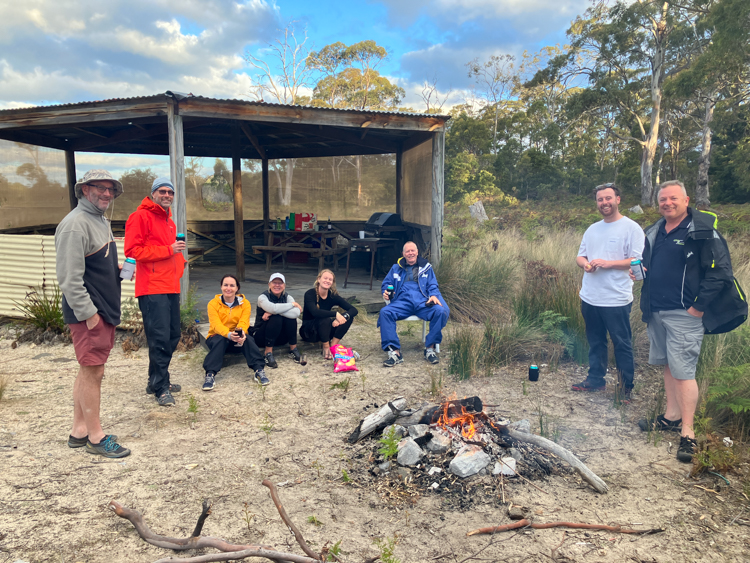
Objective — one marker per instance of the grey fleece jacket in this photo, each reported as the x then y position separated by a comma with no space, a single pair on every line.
87,267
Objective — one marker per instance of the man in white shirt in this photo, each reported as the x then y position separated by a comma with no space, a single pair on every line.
606,250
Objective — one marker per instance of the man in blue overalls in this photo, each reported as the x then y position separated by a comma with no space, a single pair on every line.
415,292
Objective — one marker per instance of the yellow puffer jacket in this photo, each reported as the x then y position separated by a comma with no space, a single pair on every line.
223,319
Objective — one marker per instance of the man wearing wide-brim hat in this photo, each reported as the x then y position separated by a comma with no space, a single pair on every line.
88,274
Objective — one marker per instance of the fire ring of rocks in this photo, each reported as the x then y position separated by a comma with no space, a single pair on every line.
454,449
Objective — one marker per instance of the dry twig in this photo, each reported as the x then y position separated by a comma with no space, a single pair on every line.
526,523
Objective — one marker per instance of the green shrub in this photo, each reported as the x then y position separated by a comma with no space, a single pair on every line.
43,309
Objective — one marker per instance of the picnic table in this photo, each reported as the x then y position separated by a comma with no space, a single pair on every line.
317,244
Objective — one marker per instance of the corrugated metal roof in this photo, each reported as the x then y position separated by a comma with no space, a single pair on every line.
28,262
230,100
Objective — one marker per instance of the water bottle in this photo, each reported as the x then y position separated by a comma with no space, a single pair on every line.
180,237
638,270
128,269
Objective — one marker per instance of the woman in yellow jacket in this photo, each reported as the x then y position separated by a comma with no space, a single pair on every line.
229,319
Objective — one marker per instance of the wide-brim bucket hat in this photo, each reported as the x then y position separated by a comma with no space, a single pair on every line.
94,175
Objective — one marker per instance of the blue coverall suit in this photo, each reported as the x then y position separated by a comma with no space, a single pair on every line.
409,298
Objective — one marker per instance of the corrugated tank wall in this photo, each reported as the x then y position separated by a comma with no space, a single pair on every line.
27,263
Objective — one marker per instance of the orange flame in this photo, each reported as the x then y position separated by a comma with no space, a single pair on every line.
464,421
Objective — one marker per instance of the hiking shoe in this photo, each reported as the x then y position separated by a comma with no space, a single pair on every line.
107,448
431,356
271,361
661,423
625,395
165,399
295,355
210,381
74,442
260,377
394,357
687,449
587,385
173,388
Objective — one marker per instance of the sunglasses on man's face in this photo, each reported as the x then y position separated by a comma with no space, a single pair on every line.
165,192
102,189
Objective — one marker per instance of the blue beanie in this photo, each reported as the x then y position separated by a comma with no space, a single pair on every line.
160,183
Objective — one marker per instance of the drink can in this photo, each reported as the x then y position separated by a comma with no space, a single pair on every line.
638,270
533,373
128,269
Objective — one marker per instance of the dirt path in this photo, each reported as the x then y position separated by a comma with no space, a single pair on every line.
53,499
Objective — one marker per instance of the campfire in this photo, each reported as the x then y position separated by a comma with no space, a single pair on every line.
456,439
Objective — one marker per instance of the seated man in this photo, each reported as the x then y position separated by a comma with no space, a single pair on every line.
415,292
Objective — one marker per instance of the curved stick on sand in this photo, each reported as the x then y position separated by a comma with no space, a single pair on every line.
297,534
578,525
562,453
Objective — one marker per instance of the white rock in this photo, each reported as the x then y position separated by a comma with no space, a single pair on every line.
418,430
434,470
507,467
469,460
636,209
477,212
434,486
399,430
521,425
409,452
438,444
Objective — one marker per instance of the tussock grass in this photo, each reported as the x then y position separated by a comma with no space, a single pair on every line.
43,309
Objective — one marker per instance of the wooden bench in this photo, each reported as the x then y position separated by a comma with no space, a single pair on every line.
318,253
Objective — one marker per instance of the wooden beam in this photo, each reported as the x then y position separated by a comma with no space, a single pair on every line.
237,193
70,173
266,198
33,138
82,130
253,139
177,171
84,115
399,181
438,197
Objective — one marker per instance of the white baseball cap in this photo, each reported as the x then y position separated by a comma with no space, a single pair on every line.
277,275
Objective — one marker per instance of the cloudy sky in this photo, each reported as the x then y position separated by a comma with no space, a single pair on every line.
61,51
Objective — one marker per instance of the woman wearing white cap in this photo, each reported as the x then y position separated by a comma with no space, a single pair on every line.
276,320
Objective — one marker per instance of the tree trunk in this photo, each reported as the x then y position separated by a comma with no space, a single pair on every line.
661,155
704,162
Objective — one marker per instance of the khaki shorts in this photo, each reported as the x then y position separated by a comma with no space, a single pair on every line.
675,337
92,346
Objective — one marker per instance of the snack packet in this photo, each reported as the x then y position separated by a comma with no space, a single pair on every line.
343,359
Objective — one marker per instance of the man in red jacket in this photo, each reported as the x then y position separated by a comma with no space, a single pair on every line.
150,238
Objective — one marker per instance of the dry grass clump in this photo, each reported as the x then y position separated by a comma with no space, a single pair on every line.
4,382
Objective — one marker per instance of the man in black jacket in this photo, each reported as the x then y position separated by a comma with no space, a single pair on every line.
689,289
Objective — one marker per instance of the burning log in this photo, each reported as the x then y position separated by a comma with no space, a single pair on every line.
562,453
378,420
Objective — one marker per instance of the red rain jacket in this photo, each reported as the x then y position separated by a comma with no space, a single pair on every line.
149,236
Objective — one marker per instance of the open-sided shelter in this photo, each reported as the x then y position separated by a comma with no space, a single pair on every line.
182,126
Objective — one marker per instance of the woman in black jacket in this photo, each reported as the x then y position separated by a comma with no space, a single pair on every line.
319,322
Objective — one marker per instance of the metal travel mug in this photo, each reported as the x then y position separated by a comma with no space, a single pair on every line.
533,373
180,237
390,291
128,269
638,270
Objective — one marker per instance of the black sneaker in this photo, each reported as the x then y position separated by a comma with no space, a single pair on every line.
260,377
295,355
661,423
394,357
271,361
173,388
587,385
74,442
165,399
210,381
687,449
107,448
431,356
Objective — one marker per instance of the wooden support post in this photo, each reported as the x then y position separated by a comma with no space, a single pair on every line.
438,196
70,172
266,202
177,172
239,235
399,180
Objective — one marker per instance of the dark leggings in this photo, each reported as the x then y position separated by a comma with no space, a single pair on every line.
322,329
276,331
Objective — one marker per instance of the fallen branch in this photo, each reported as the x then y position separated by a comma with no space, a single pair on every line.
579,525
297,534
378,420
562,453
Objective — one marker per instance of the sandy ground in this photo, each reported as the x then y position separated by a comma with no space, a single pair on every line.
53,499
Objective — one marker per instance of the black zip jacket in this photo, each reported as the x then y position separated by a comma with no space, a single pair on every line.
707,274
